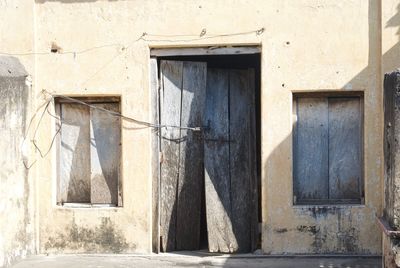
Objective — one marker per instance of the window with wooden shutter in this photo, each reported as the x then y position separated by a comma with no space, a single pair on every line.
89,152
327,148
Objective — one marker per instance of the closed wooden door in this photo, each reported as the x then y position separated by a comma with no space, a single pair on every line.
229,161
182,97
219,157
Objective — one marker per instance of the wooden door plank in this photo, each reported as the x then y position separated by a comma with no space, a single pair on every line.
253,159
216,163
171,75
311,149
105,152
240,157
191,176
155,159
74,154
344,148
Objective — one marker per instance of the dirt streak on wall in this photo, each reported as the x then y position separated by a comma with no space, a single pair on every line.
16,226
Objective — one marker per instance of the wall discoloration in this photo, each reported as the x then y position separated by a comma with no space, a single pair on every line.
104,238
281,230
324,230
16,232
311,229
332,231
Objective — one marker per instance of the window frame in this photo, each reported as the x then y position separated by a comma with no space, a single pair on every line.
327,95
58,101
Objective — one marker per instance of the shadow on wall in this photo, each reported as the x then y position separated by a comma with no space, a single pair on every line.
394,21
343,235
391,58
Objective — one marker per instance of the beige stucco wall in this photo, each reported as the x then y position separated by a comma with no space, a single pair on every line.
307,45
16,207
17,185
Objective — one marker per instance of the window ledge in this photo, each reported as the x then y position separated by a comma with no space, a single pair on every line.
86,205
327,206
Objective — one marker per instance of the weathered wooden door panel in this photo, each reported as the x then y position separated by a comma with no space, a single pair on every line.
216,163
155,159
344,148
74,154
311,147
229,161
191,154
171,75
240,156
254,182
105,139
182,104
225,105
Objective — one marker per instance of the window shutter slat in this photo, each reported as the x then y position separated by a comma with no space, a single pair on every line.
344,148
311,149
74,162
105,138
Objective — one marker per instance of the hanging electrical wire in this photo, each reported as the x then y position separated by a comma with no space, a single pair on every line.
46,106
201,36
130,119
164,38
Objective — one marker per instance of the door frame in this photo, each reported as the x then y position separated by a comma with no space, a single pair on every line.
156,157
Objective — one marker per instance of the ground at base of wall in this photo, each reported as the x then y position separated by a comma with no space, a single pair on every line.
195,260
